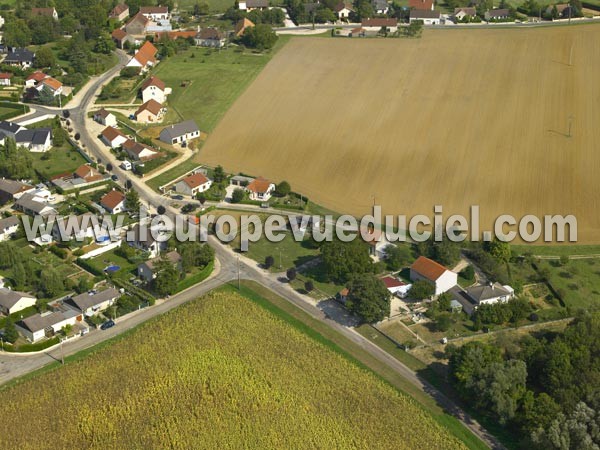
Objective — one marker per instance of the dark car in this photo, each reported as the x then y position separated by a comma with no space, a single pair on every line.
177,197
107,325
114,178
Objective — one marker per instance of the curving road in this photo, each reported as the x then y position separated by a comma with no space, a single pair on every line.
229,267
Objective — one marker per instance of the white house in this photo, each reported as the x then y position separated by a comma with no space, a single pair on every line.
51,84
35,327
378,23
156,13
145,239
105,118
113,202
180,133
14,301
396,287
461,13
145,57
154,89
490,293
147,270
34,206
193,184
8,227
426,269
249,5
138,151
427,16
5,78
260,189
37,140
90,303
113,137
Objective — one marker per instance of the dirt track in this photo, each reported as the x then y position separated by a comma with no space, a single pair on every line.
459,117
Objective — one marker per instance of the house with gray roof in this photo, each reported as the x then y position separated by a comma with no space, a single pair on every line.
489,293
8,227
30,205
19,57
14,301
35,140
12,190
9,129
90,303
180,133
39,326
147,270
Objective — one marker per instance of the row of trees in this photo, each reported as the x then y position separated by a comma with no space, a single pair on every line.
542,388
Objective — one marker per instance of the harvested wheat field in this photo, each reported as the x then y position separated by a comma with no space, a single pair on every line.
457,118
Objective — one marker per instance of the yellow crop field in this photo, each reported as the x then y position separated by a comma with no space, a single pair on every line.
456,118
220,372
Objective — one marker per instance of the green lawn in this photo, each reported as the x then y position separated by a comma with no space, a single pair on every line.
577,282
171,174
58,160
555,250
110,258
217,79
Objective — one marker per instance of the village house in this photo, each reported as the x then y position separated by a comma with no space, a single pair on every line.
119,12
145,57
5,78
421,4
78,227
377,242
380,6
241,26
153,89
378,23
39,326
105,118
52,84
426,16
563,10
440,277
138,151
180,133
37,140
12,190
395,286
47,12
34,79
465,12
249,5
113,202
14,301
144,239
210,37
91,303
497,14
151,111
137,26
34,206
9,130
88,174
20,57
260,189
120,36
155,13
343,10
8,227
489,293
113,137
147,270
193,184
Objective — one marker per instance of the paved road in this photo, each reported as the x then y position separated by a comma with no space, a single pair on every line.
230,267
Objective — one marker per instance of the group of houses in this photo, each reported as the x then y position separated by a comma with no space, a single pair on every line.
35,140
38,81
154,94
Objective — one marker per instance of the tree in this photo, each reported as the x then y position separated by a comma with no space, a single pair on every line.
443,322
10,332
261,37
132,200
218,174
499,250
15,162
291,274
83,285
104,45
396,256
51,282
201,9
167,277
17,33
369,298
77,136
309,286
19,277
283,189
421,290
201,198
161,210
269,261
343,260
44,57
237,195
324,15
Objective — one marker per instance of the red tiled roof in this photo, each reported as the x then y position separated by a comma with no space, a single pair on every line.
87,173
152,106
146,53
420,4
118,10
5,76
42,12
154,10
176,34
112,199
391,282
428,268
119,34
111,133
195,180
52,83
37,76
154,81
259,185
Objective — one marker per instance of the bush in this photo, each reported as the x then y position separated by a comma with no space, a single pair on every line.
237,196
60,252
291,274
309,286
269,261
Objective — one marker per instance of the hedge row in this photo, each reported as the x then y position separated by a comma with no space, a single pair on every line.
19,109
87,266
26,348
196,278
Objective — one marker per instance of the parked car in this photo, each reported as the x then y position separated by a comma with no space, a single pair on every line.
108,324
177,197
114,178
188,208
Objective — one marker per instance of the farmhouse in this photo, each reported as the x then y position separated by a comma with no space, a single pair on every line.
34,79
249,5
210,37
342,10
87,173
145,57
153,89
562,10
497,14
380,6
55,86
8,227
427,16
34,206
489,293
260,189
14,301
147,270
46,12
12,190
180,133
119,12
38,326
120,36
396,287
151,111
138,151
241,26
461,13
105,118
90,303
5,78
113,137
113,202
379,23
193,184
20,57
421,4
155,13
426,269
